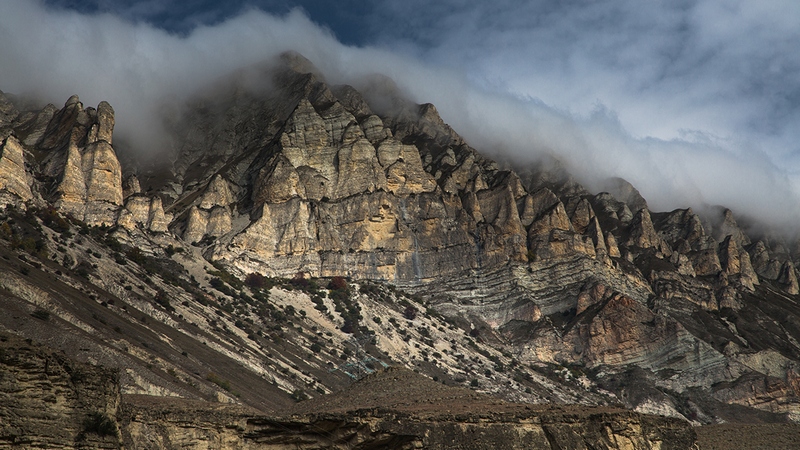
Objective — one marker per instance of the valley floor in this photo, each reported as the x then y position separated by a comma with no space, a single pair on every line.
735,436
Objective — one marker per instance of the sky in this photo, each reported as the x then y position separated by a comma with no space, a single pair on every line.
695,102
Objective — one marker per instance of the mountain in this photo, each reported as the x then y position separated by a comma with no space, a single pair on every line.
303,235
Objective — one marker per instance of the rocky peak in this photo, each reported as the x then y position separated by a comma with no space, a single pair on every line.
80,157
626,193
643,233
788,278
683,230
8,112
131,186
735,261
729,227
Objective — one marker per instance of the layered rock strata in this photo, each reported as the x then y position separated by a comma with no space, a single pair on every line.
397,409
50,401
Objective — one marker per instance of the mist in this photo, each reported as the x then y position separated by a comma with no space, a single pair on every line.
689,141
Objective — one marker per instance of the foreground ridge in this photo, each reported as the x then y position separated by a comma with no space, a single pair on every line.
93,414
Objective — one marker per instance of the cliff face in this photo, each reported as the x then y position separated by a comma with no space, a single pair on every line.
336,194
397,409
79,169
49,401
516,278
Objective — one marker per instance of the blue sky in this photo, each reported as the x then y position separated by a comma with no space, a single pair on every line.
696,102
343,17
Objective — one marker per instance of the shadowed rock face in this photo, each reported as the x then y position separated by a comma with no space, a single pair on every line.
397,409
49,401
309,179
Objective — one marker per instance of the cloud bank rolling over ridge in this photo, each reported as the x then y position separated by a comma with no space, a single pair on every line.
694,102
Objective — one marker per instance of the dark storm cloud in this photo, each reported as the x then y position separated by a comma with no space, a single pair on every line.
694,102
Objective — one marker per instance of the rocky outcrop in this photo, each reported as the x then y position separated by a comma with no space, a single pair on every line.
336,193
82,161
8,112
729,227
141,211
49,401
14,179
397,409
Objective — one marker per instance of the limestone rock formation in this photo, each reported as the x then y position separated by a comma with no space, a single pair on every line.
14,178
729,227
81,159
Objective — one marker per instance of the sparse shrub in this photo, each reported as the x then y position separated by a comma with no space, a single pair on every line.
220,285
338,284
348,327
171,250
410,312
255,281
51,219
224,384
100,424
299,395
5,231
41,314
136,255
162,299
299,280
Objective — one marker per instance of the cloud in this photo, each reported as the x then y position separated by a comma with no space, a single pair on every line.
694,102
705,94
664,66
139,69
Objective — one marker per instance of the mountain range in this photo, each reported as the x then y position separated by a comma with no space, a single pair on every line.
301,236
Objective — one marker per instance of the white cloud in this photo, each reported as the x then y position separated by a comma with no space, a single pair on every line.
694,102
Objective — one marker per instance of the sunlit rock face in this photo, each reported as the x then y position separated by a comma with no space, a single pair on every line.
334,191
79,157
14,179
